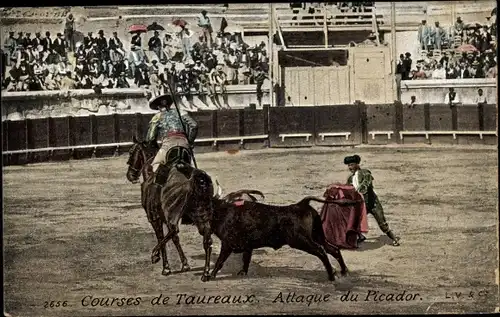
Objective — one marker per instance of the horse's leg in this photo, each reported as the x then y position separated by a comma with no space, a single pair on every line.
158,227
206,231
161,244
176,241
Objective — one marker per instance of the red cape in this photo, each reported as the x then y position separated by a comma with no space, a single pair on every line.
343,223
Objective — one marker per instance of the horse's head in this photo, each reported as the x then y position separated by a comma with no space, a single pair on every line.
140,156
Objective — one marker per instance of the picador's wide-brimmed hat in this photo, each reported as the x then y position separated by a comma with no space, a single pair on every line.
163,100
352,159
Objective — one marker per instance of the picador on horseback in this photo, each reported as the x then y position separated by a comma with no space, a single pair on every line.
177,132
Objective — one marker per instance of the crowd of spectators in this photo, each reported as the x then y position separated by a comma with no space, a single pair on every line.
180,60
466,51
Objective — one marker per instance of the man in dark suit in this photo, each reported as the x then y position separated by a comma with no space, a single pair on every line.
115,47
37,40
21,40
463,72
102,45
407,66
47,42
155,45
60,45
88,41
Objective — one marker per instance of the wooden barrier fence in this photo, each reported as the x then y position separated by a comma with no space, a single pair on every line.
37,140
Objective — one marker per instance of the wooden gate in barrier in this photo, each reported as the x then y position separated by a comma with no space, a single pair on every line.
317,86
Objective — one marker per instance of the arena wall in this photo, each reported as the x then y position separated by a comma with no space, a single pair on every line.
84,102
435,90
36,140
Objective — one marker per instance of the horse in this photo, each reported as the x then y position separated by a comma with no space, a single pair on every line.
187,194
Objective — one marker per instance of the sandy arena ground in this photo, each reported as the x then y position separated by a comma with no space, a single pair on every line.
76,229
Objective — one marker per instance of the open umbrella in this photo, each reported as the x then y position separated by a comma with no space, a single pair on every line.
179,22
466,48
155,27
137,28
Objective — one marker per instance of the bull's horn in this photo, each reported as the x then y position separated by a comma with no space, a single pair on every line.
218,193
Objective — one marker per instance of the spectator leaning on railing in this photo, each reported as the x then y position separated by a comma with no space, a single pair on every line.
480,99
451,98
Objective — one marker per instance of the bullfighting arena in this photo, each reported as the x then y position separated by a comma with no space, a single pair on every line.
76,238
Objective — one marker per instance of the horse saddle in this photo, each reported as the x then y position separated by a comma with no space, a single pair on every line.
176,155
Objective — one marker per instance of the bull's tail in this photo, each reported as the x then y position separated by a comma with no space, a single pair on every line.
308,199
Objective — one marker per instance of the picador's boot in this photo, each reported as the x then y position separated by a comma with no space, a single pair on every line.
160,176
395,240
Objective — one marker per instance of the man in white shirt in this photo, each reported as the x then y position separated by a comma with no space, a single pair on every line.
439,72
480,99
206,26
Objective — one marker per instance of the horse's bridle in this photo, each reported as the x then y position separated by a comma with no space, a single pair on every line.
145,164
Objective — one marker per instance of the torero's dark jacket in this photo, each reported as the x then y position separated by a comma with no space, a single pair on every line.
365,182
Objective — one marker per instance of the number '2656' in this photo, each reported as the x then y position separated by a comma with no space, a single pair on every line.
53,304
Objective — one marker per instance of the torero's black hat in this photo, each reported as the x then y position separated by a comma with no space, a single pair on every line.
352,159
163,100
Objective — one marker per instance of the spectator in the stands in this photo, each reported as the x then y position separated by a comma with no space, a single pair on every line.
418,74
136,40
458,27
155,45
438,34
102,46
47,42
185,36
69,28
439,72
477,70
424,35
407,64
88,40
37,41
121,81
59,45
492,71
206,27
136,59
115,45
67,83
463,71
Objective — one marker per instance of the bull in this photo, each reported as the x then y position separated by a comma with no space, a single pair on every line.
248,225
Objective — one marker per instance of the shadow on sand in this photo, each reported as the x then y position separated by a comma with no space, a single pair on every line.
374,243
353,280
